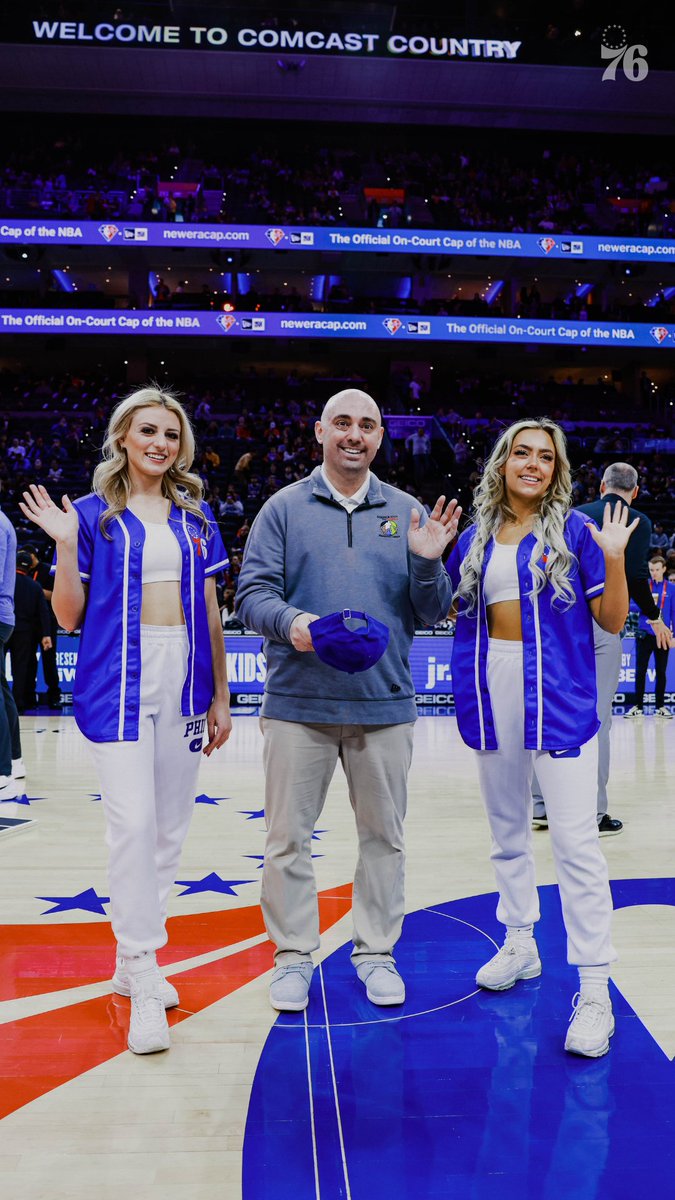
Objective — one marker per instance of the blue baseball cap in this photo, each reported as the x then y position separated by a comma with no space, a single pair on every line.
350,648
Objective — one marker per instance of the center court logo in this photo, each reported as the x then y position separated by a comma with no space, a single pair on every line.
275,236
392,325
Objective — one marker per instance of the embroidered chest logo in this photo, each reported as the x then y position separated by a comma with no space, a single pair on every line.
199,542
389,527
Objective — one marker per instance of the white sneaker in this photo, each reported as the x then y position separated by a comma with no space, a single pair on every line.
289,986
18,768
383,983
591,1027
664,714
148,1030
517,959
122,984
9,789
633,714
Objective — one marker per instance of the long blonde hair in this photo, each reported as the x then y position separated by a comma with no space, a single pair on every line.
491,511
111,477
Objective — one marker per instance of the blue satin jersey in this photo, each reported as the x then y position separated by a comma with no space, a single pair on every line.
106,691
558,653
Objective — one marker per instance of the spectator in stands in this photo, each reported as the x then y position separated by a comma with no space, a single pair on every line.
659,539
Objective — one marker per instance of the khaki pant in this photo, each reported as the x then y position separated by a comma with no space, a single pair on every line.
300,761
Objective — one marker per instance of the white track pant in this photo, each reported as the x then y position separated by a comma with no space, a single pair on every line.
569,788
148,794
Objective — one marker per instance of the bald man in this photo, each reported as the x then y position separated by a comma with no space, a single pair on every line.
340,539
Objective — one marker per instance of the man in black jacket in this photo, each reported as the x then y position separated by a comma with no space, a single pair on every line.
32,628
619,486
39,571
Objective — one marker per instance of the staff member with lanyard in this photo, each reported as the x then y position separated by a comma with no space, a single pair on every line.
530,576
135,569
646,643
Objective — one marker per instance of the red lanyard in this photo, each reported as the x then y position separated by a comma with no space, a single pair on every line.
664,592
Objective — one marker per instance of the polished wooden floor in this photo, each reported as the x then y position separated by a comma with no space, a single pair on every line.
81,1115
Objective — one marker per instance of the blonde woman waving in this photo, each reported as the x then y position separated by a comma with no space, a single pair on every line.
530,576
134,570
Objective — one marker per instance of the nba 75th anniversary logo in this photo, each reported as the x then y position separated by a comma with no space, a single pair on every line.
631,59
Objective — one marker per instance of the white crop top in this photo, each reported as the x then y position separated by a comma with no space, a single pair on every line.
501,576
161,554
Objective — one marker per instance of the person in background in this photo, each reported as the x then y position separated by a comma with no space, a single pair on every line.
646,645
619,486
39,571
11,763
32,628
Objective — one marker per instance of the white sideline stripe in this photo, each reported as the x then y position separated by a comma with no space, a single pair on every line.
317,1188
335,1090
30,1006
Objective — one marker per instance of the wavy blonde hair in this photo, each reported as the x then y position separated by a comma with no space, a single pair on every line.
491,511
111,478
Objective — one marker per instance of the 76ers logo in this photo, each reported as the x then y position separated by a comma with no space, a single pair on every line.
546,244
659,333
198,541
108,232
392,324
275,236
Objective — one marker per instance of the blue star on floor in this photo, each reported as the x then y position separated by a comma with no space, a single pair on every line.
24,799
204,799
251,814
87,901
211,883
260,858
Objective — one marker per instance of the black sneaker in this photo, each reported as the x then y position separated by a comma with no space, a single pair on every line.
609,825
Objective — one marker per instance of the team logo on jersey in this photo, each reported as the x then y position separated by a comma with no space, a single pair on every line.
108,232
199,541
275,236
226,321
659,334
389,527
546,244
392,324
